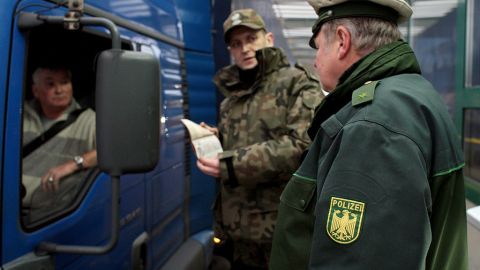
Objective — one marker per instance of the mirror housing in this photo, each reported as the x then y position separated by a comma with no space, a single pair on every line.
127,102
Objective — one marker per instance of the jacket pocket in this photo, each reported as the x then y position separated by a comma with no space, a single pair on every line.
294,228
299,192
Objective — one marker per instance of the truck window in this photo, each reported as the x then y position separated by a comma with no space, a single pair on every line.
58,122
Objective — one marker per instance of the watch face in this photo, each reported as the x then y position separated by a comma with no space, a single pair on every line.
78,160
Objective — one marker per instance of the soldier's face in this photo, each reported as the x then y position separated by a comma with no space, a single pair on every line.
53,89
244,42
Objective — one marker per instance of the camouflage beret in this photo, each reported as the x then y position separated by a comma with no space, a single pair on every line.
242,17
396,11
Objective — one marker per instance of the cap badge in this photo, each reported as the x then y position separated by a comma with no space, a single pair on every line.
236,19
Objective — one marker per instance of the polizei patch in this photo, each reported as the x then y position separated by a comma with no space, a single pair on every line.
344,220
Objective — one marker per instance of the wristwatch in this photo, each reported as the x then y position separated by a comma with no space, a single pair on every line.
79,161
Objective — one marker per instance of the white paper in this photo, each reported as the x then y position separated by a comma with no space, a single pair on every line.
205,143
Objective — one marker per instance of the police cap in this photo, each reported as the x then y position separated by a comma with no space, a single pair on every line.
242,17
395,11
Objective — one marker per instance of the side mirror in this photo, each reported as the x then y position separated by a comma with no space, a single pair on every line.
128,111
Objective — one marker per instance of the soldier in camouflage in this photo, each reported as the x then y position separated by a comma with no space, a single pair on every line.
267,109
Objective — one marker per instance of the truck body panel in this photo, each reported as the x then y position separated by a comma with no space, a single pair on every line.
160,210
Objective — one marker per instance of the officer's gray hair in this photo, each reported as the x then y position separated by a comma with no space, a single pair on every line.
367,34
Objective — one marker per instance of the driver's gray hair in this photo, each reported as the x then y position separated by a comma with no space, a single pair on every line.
37,71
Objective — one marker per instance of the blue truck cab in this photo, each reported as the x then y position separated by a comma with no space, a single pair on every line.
164,215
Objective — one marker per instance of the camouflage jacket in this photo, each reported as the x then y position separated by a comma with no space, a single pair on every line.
263,131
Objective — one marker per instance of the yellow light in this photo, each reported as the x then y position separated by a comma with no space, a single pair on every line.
216,240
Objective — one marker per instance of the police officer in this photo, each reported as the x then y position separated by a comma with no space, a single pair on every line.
382,184
264,117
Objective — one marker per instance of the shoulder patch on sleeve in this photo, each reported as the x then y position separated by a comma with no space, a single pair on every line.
365,93
344,220
307,72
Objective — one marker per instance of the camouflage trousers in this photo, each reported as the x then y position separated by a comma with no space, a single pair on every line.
250,255
243,253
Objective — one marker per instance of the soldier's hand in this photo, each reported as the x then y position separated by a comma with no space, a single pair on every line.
209,166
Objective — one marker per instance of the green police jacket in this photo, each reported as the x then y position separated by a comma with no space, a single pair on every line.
381,186
263,129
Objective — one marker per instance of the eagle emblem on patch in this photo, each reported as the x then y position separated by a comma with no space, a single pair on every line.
344,220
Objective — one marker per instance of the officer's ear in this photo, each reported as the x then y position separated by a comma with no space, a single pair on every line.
343,41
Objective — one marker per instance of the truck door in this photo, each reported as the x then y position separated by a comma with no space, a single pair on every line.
80,213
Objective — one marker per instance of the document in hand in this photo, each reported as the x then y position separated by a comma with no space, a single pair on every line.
205,143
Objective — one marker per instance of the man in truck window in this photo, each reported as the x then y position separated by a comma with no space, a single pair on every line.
58,141
267,109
